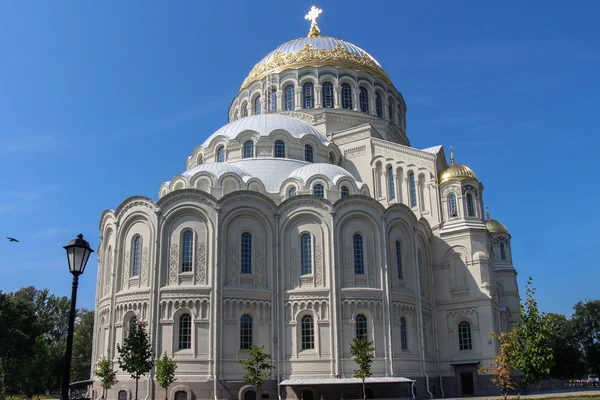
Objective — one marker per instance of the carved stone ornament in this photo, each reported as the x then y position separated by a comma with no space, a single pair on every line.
234,267
145,257
200,264
371,266
173,264
294,268
126,270
318,266
260,264
348,267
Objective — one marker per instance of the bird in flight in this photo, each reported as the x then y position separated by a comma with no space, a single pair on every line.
12,239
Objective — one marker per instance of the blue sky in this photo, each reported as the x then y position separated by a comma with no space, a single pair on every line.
100,101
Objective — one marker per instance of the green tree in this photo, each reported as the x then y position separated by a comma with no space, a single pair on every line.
502,369
362,352
135,356
106,374
257,367
82,345
586,325
568,358
165,372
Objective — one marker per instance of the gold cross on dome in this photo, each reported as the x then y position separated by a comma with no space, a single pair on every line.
312,16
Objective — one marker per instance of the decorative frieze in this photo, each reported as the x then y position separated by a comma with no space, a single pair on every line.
173,264
318,266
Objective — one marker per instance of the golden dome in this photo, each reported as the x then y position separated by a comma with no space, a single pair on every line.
456,171
494,226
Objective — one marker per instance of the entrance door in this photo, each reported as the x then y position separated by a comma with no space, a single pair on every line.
307,395
250,395
466,384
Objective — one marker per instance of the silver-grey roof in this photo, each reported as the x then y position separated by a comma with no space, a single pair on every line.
216,169
271,171
333,172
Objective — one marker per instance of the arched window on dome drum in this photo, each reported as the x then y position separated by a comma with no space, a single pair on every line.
452,212
399,259
292,191
331,158
185,332
464,336
345,191
308,333
308,153
273,100
187,251
378,106
318,190
327,92
346,96
279,149
221,154
246,253
391,186
305,254
248,149
470,205
245,332
308,95
359,259
361,326
137,255
364,100
257,106
290,101
403,338
502,252
413,190
391,111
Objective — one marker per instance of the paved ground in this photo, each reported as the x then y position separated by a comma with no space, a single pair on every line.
557,394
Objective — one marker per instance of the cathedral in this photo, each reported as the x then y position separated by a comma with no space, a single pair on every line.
306,221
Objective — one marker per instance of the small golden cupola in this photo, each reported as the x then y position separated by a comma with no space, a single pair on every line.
457,172
493,226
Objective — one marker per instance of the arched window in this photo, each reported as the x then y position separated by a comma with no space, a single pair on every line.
137,256
359,259
327,92
378,106
502,252
122,395
318,190
245,111
245,332
470,205
305,254
246,253
399,259
185,332
308,153
361,326
464,336
292,191
187,251
181,395
403,338
273,100
290,100
391,186
257,105
391,112
221,154
413,190
331,159
248,149
308,95
452,212
345,191
279,149
308,333
364,100
346,96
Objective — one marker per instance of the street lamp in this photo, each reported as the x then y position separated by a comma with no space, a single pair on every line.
78,253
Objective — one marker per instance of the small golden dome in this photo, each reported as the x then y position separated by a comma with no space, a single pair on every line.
494,226
456,171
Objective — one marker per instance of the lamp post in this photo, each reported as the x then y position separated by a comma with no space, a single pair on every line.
78,253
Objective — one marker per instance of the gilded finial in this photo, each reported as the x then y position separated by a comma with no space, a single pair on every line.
487,209
312,16
451,155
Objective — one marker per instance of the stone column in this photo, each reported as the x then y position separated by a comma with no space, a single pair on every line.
356,98
318,89
337,97
279,101
298,98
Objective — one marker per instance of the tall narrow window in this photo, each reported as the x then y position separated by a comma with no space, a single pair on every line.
318,190
391,186
346,96
364,100
391,112
185,332
221,154
327,92
308,95
279,149
246,253
413,190
378,106
345,191
305,254
470,205
290,100
273,100
359,259
331,159
248,149
245,332
361,326
308,333
502,252
292,191
464,336
399,259
188,251
403,338
452,206
257,106
137,255
308,153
